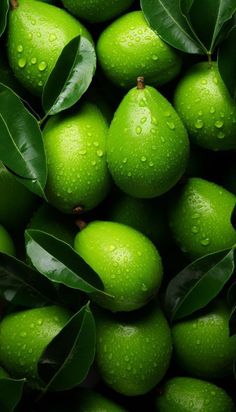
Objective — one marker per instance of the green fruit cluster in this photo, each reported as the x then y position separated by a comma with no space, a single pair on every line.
124,196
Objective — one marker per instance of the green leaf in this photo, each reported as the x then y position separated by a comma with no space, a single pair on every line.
67,359
165,17
199,283
70,77
22,285
227,62
59,262
10,393
208,18
4,8
231,295
232,322
21,144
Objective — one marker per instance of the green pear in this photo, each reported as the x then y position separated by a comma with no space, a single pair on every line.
129,48
23,337
96,11
127,262
200,217
148,146
17,204
203,346
6,242
133,351
206,107
37,34
57,224
91,401
75,145
184,394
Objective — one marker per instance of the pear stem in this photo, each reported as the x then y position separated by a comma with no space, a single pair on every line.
81,224
140,83
78,210
14,4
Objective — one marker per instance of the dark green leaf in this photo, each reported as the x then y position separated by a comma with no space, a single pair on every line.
4,7
22,285
208,17
71,76
232,322
67,359
10,393
165,17
59,262
231,296
227,62
21,144
199,283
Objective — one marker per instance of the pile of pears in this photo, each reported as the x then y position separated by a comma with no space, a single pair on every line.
134,187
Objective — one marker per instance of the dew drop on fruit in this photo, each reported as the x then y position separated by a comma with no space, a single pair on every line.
42,66
155,57
20,48
100,153
22,62
138,130
212,110
219,124
143,120
205,242
33,60
220,135
194,229
143,159
52,37
199,124
171,125
144,287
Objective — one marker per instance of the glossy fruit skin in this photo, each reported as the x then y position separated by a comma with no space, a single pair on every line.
33,28
127,262
24,336
193,395
75,146
97,11
148,147
129,48
6,242
145,215
90,401
206,107
133,352
202,345
200,218
17,203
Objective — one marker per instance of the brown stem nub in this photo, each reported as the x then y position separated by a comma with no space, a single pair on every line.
140,82
78,210
14,4
81,224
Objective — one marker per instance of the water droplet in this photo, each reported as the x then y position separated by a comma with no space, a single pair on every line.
40,83
100,153
22,62
82,151
171,125
212,110
143,159
220,135
143,120
219,124
138,130
38,34
33,60
195,216
40,322
194,229
33,22
144,287
42,66
52,37
151,164
199,124
20,48
205,242
96,144
129,174
204,81
142,103
93,163
155,57
200,113
125,160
